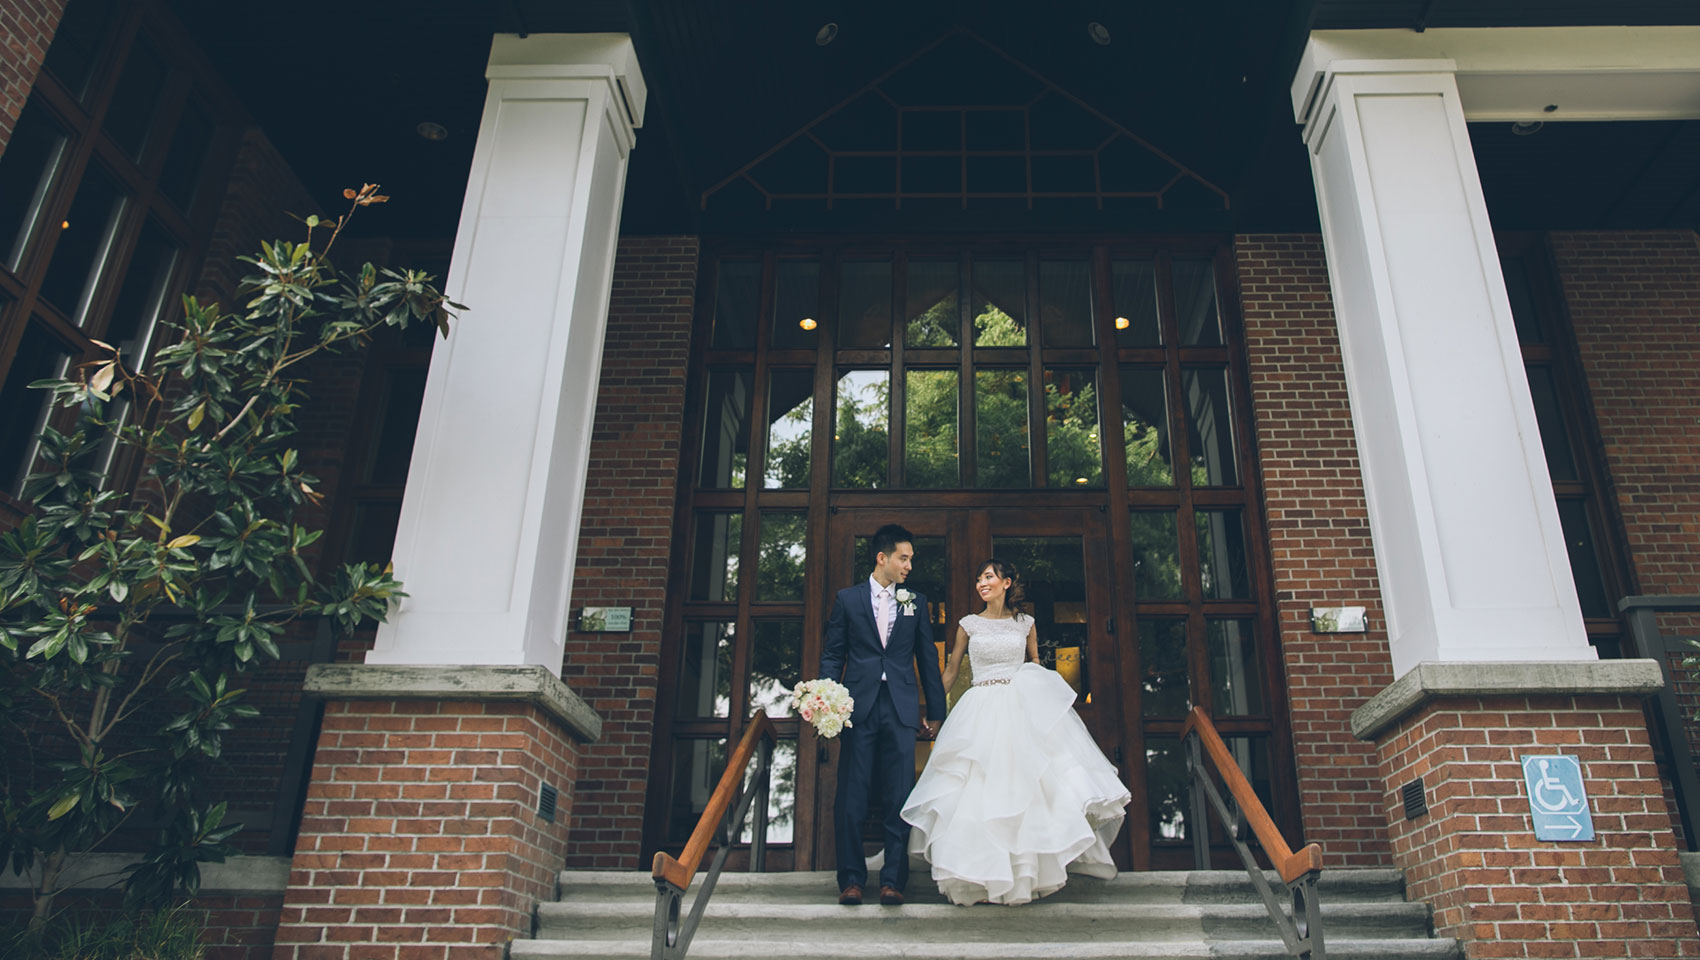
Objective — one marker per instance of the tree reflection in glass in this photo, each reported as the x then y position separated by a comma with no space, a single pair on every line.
705,675
932,304
1072,444
929,436
1000,429
776,666
859,443
1164,690
779,564
1156,556
1145,428
781,797
790,428
999,303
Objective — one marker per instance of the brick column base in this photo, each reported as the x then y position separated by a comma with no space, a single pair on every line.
1473,857
421,838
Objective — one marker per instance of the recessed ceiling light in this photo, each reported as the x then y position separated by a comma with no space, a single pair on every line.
1080,480
1524,128
807,323
825,34
1122,323
432,131
1099,33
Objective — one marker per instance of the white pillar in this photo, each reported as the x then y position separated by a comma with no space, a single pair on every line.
1468,545
490,519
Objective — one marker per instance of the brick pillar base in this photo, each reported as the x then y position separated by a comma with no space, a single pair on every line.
421,838
1463,729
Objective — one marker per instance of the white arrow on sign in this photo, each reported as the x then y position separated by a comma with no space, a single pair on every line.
1570,821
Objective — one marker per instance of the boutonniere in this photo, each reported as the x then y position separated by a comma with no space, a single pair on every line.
906,602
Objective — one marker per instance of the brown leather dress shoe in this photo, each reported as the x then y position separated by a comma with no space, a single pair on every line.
890,897
850,896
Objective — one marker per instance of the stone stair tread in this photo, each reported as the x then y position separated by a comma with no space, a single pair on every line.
814,949
873,912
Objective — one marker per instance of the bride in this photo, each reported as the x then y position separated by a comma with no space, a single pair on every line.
1016,794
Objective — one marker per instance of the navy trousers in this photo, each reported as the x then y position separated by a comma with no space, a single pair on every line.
879,749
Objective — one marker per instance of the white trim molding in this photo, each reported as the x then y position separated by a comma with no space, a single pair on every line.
1468,544
489,523
1527,73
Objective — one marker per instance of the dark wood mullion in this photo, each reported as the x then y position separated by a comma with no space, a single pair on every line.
749,554
897,442
755,461
815,568
968,440
1037,432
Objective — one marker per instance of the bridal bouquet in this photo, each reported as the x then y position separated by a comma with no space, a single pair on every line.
824,703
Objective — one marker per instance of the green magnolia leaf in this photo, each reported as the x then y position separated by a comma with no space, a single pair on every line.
65,805
186,540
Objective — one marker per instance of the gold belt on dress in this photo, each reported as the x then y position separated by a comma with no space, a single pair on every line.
987,683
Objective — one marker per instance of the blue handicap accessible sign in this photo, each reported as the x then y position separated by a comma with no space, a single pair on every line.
1557,799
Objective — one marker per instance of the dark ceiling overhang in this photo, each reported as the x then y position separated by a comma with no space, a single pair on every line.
340,88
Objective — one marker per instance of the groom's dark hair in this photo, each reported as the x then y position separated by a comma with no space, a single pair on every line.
887,538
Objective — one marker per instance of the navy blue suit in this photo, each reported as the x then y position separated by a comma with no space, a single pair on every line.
882,733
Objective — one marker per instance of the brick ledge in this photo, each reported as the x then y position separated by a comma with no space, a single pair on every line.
1431,680
530,684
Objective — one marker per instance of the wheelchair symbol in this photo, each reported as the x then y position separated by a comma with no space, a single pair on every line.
1548,786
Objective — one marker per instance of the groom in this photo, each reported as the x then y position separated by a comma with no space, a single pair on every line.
877,636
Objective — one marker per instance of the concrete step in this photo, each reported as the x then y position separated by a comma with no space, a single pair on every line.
1154,887
817,947
1044,920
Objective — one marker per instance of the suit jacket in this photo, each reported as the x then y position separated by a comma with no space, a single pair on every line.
853,656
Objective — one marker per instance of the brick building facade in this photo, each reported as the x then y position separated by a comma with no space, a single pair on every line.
418,826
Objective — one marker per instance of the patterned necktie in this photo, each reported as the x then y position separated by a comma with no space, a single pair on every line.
885,617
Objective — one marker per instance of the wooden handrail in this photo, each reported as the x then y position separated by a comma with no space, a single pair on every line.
679,872
1289,864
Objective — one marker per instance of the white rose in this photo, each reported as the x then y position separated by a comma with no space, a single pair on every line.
904,596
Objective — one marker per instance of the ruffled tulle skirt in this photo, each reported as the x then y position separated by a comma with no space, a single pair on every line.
1016,795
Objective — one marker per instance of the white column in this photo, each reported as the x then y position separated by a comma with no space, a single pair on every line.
1471,557
490,520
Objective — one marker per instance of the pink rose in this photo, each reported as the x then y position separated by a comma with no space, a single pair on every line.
808,714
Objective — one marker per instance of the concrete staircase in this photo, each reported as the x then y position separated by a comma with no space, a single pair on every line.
1145,915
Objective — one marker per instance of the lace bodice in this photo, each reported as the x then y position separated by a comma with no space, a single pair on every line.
996,647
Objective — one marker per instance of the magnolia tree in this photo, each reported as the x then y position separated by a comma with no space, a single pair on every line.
128,615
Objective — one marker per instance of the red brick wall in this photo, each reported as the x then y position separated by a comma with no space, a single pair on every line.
1474,857
26,28
421,837
1318,537
625,538
1634,302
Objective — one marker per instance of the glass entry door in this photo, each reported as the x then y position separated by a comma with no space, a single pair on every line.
1062,559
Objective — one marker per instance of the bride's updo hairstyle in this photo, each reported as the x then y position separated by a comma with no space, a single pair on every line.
1015,596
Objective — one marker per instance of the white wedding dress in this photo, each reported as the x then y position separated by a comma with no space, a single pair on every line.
1016,794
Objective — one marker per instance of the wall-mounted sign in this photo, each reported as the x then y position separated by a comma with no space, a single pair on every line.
1557,800
1338,620
605,620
